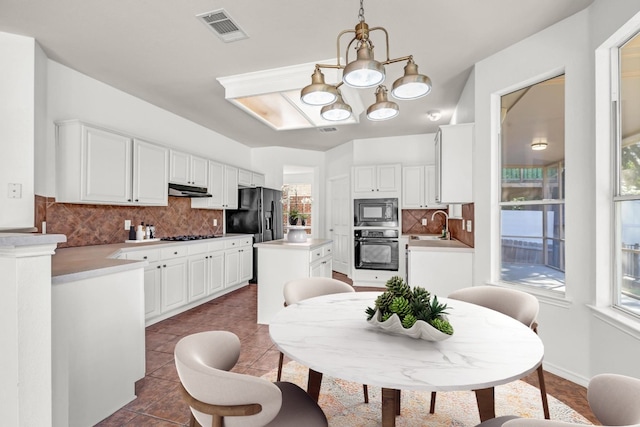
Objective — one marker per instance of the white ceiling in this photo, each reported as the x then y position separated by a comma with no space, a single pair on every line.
158,51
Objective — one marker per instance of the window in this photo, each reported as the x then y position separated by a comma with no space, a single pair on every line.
627,172
532,186
296,205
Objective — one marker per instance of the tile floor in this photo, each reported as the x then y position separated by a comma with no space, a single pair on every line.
159,402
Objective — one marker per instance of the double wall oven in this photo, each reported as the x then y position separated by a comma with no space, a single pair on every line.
376,234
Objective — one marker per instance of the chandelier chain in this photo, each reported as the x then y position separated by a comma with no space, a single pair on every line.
361,11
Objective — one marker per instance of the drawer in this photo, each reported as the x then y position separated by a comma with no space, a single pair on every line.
316,254
144,255
174,252
216,246
237,243
198,249
327,250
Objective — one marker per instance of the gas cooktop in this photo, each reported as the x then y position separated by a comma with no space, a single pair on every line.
188,237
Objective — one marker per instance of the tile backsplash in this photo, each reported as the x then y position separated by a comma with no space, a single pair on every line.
104,224
412,223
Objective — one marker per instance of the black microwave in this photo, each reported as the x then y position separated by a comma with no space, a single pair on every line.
375,212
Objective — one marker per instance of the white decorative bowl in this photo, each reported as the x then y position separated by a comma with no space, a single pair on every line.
420,330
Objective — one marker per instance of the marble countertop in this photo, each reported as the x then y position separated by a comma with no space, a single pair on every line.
13,240
77,263
285,244
330,334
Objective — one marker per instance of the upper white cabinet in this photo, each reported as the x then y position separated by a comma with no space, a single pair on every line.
419,187
95,165
188,169
223,186
454,164
250,179
376,179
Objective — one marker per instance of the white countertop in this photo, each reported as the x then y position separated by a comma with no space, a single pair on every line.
285,244
12,240
82,262
438,245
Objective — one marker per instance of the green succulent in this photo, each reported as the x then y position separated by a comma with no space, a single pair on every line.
410,305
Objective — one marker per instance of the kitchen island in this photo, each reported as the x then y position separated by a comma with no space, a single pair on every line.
280,261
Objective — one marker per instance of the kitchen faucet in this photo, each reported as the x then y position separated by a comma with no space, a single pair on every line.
446,222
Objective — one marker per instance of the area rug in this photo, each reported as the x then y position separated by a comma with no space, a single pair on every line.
342,402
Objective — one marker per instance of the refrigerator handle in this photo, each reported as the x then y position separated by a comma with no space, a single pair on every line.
273,211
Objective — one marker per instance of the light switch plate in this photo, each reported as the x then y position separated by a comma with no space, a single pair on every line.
215,222
424,221
127,224
469,225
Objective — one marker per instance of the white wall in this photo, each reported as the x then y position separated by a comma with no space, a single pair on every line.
465,109
17,127
573,338
72,95
408,150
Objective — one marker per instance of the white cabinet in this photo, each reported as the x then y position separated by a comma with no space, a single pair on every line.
321,261
375,179
440,271
188,169
150,173
419,187
174,284
223,187
454,164
95,165
250,179
206,269
238,261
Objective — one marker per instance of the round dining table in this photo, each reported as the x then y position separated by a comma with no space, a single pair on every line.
330,335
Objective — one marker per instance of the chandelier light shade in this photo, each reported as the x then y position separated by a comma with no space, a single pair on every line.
365,72
318,92
337,111
383,109
412,85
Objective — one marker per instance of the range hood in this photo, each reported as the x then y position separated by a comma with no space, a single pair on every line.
179,190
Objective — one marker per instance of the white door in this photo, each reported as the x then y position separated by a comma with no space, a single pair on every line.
107,167
339,223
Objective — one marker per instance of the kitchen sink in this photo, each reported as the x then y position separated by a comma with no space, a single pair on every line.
426,237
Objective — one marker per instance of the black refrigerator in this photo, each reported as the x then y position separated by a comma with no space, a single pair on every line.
259,213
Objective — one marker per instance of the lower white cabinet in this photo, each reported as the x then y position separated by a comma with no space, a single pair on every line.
321,262
179,276
440,271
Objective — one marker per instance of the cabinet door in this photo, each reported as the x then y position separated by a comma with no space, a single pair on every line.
246,264
455,153
150,173
364,179
257,179
152,290
230,187
180,168
174,284
199,171
216,272
244,178
387,178
198,276
231,268
430,188
216,185
413,187
107,166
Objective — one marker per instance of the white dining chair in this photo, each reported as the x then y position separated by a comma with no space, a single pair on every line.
520,305
614,400
219,398
309,287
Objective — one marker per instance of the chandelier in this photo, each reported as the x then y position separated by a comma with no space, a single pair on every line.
364,72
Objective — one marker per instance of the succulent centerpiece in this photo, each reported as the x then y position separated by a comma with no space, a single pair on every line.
414,312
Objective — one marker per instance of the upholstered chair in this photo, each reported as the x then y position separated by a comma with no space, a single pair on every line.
613,399
512,302
309,287
219,398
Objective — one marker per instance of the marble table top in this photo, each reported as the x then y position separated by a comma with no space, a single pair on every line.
329,334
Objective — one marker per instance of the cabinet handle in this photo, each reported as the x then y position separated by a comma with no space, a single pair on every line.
144,257
159,266
164,265
128,200
137,200
175,253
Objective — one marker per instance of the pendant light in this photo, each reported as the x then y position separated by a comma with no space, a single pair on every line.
383,109
539,144
365,72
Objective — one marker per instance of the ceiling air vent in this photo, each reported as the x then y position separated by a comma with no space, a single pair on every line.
329,129
221,23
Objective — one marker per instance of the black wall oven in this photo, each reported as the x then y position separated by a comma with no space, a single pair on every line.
375,212
376,249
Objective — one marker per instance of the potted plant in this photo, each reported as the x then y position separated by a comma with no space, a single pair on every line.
413,312
294,214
